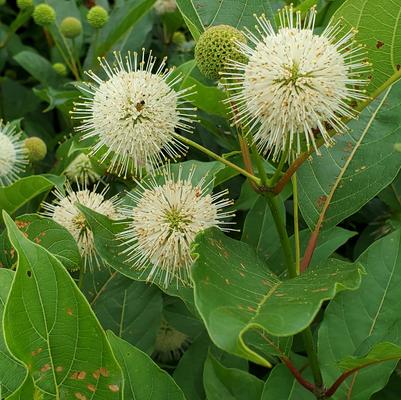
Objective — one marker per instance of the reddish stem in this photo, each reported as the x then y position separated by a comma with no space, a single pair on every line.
333,388
310,248
297,375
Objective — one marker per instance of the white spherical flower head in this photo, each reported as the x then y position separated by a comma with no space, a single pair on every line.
65,212
296,84
165,6
134,113
81,170
170,343
164,220
13,155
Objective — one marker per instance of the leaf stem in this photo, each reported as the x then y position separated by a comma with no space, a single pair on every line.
260,166
296,225
215,156
282,232
307,338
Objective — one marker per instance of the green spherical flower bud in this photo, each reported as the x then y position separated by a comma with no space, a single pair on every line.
97,17
178,38
70,27
36,147
215,47
60,68
397,147
24,4
44,15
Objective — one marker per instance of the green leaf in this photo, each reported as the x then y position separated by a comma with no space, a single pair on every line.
259,229
361,164
50,235
22,191
207,98
12,373
379,28
200,14
189,372
229,383
39,67
281,385
235,293
391,195
131,309
49,326
144,379
25,391
371,312
381,352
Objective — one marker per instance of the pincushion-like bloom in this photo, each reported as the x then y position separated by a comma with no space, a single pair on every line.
166,215
296,84
170,343
81,170
13,154
65,212
133,113
165,6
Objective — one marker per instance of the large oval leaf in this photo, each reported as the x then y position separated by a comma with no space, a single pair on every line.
12,373
371,312
49,326
144,379
361,163
236,293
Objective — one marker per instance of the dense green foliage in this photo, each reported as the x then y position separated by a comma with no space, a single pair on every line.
299,300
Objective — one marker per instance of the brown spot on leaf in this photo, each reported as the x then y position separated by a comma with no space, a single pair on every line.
379,44
59,369
114,388
45,368
81,375
398,66
251,309
91,387
80,396
321,200
104,372
69,311
96,374
36,352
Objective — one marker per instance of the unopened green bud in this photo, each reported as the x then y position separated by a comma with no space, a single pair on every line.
24,4
178,38
97,17
215,47
70,27
44,15
397,147
60,68
36,147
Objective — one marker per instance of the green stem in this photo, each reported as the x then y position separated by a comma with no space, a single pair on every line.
292,273
312,357
280,166
81,276
211,154
260,166
282,232
296,225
